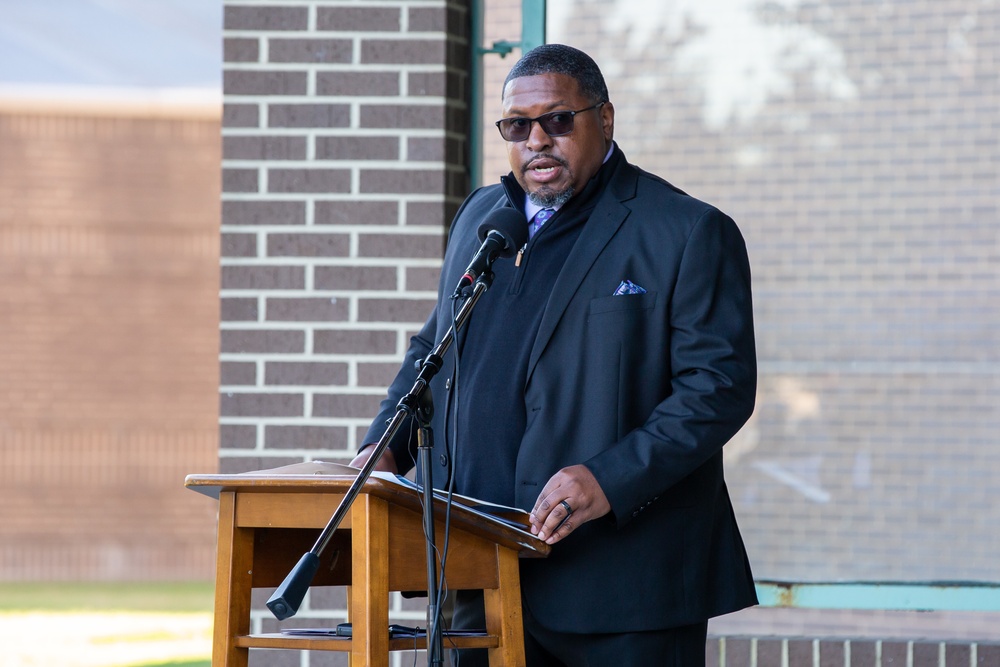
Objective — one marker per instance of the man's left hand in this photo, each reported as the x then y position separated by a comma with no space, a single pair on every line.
569,499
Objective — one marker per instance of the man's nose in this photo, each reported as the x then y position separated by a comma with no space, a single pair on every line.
538,139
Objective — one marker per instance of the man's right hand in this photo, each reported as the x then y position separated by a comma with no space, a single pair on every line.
386,463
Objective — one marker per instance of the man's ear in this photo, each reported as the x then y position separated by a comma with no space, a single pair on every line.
608,121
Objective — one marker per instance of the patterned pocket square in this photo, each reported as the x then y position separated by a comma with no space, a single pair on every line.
628,287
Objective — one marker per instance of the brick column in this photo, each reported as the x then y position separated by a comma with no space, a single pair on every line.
344,137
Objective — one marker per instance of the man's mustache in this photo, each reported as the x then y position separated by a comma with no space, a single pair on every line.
540,156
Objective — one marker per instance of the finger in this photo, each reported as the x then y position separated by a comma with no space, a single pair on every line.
565,520
558,519
562,529
566,527
545,503
548,513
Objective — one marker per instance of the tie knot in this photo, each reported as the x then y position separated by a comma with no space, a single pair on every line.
540,219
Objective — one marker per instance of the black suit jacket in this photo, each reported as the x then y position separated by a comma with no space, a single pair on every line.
643,389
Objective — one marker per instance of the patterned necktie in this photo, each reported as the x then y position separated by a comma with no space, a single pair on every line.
540,219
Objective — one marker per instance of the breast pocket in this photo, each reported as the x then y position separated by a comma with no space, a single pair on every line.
609,306
624,339
623,318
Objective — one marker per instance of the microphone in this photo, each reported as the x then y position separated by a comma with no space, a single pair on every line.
502,232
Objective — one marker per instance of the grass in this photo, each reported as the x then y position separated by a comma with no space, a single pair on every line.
113,598
66,597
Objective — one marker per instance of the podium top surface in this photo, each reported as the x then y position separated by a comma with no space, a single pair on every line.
506,528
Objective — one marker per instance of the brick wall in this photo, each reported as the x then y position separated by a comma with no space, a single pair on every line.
108,289
856,145
344,147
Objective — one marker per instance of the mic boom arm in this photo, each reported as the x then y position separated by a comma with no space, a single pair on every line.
286,599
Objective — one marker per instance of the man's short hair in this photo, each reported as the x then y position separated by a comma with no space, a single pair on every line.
562,59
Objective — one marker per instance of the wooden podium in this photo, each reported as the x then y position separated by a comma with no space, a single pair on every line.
267,521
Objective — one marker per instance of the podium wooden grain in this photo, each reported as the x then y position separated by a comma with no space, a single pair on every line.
266,523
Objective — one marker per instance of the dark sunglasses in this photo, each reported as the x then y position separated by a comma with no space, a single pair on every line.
554,124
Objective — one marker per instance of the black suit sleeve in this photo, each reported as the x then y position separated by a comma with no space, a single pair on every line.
712,368
403,446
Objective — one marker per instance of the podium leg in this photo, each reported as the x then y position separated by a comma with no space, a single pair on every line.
369,596
503,612
234,564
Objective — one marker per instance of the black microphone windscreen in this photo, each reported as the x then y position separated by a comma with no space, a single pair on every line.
511,224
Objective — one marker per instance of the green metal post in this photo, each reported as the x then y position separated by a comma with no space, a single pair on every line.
532,24
532,35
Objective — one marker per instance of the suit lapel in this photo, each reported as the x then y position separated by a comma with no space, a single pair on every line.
600,228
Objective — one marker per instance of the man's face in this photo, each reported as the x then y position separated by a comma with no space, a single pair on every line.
551,169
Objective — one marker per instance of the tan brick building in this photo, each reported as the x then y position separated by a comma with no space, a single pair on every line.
109,294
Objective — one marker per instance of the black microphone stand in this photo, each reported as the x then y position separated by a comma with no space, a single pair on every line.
425,446
286,599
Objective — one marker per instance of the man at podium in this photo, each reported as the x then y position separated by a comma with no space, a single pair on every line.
595,384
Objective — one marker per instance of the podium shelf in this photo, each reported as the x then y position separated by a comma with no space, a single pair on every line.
278,640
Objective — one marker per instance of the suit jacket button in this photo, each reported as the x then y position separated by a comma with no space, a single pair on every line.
443,460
